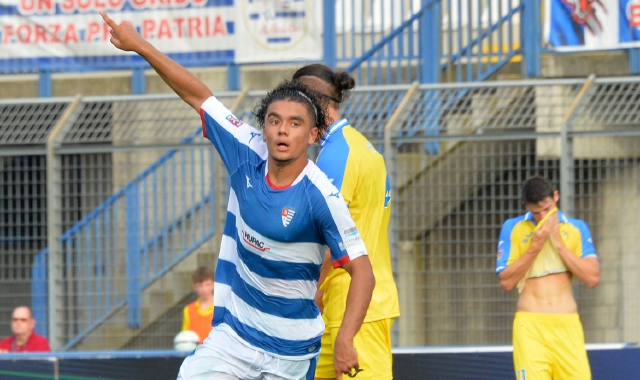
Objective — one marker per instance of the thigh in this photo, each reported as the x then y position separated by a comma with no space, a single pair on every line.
373,344
570,355
531,357
222,357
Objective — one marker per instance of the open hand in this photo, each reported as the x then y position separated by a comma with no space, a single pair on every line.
124,36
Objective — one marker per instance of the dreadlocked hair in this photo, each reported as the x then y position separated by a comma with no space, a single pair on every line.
299,93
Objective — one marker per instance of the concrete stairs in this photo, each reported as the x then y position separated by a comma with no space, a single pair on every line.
160,297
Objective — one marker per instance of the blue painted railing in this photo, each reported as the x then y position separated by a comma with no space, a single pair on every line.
131,239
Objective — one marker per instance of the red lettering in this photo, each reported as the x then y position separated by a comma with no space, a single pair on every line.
100,5
67,6
218,27
28,6
147,28
634,19
8,33
46,5
84,4
165,29
138,3
41,34
71,35
55,30
194,27
117,4
179,22
181,3
199,3
93,31
24,33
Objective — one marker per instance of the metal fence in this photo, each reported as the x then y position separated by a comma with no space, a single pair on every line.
132,199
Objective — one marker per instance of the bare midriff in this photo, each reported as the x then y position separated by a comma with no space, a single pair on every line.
550,294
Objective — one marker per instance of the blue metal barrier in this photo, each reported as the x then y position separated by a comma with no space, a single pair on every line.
108,266
39,291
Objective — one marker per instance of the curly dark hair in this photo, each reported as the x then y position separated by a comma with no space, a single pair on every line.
536,189
297,92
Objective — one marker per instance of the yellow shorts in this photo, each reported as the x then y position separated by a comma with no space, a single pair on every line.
373,343
549,346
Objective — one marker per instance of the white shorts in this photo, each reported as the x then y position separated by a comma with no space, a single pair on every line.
223,357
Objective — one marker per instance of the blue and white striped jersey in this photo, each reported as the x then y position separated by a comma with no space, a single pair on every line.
273,244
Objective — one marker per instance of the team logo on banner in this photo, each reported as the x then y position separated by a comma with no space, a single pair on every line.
276,24
287,215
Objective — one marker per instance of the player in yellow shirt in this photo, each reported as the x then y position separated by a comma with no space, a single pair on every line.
359,172
197,315
540,252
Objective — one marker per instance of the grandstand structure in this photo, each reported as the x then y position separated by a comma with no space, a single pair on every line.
111,200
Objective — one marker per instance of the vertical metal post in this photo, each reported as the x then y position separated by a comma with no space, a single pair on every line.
234,79
45,88
138,81
330,35
55,285
530,36
567,180
132,218
390,157
429,41
634,61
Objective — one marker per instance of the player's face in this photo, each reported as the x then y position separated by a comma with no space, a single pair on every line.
288,131
22,323
204,289
541,209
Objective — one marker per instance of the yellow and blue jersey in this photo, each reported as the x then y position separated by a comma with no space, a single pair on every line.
515,240
357,169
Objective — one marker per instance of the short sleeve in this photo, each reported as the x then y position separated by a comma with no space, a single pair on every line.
587,249
235,141
505,246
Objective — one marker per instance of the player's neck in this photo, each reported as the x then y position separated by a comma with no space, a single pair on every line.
282,174
334,114
205,303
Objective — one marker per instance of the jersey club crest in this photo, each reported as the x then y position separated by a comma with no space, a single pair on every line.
287,215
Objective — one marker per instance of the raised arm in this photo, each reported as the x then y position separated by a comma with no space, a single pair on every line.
186,85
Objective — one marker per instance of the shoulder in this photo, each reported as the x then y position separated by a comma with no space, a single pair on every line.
510,224
6,341
319,180
579,224
38,338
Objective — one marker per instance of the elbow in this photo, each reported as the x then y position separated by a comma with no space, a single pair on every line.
506,287
593,281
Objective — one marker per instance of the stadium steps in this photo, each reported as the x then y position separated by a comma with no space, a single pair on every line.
431,186
158,299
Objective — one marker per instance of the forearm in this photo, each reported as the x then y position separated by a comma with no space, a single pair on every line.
513,273
586,270
182,81
358,299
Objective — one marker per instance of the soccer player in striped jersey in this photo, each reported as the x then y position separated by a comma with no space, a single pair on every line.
283,212
358,170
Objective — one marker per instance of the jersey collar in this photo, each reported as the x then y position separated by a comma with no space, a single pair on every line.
562,218
335,127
